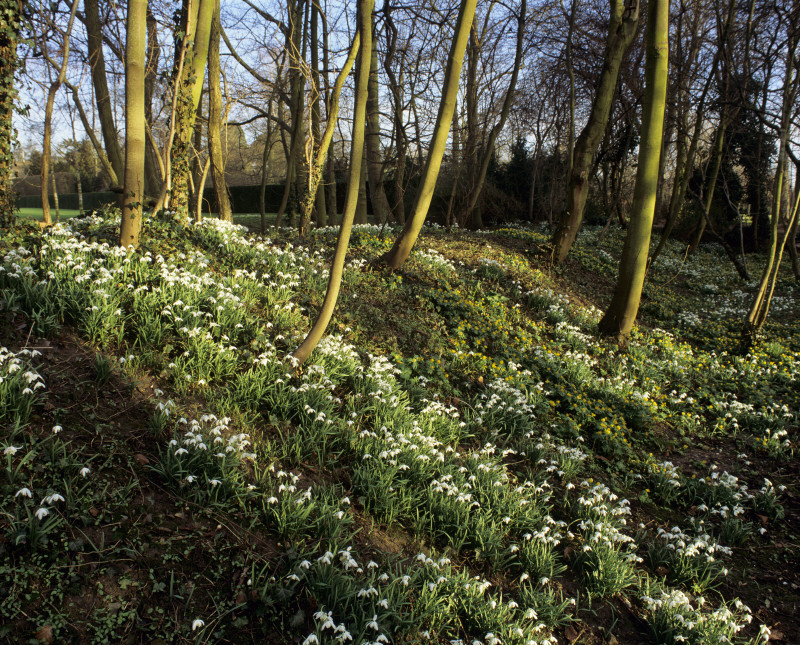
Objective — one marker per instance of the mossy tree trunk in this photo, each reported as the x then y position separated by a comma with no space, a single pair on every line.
215,126
401,249
621,314
133,189
622,29
321,202
302,353
189,87
9,63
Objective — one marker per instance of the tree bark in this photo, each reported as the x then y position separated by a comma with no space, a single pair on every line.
133,192
152,160
302,353
48,117
105,111
622,29
317,164
321,202
216,152
189,88
380,204
294,37
621,314
401,249
9,62
488,148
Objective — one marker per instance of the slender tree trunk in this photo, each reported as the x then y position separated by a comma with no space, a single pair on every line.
710,184
488,148
197,165
473,217
55,195
152,161
79,190
571,76
621,314
48,116
380,204
330,166
361,206
320,154
401,249
105,111
622,29
396,88
217,154
320,95
757,315
190,88
133,194
302,353
294,44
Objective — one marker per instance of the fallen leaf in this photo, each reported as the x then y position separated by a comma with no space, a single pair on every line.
45,634
141,459
571,634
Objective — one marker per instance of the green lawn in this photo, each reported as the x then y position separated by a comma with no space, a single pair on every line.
252,220
35,214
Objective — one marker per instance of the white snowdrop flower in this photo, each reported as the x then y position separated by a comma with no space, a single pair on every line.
191,478
11,450
41,513
51,499
214,482
384,603
197,624
25,492
311,639
181,451
85,471
57,429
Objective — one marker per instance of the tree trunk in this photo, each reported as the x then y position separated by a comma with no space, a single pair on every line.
105,111
321,203
215,124
622,29
48,116
152,160
9,62
361,206
302,353
399,132
621,314
133,193
189,89
401,249
320,154
488,148
757,315
380,204
294,37
55,196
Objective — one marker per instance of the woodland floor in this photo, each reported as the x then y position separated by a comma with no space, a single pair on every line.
136,555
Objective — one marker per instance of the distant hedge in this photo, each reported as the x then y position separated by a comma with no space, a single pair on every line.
244,199
69,201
